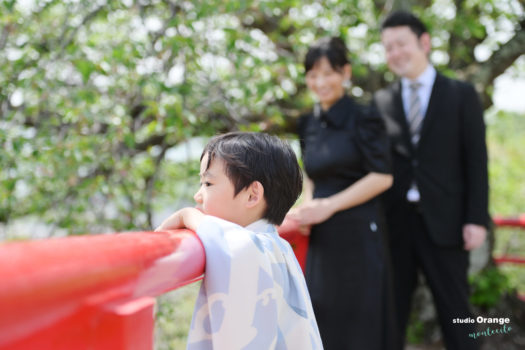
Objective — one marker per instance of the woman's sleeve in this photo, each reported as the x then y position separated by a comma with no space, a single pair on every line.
300,130
373,141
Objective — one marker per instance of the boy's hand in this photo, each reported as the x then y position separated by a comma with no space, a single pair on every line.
185,218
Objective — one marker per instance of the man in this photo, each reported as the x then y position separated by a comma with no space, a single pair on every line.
437,208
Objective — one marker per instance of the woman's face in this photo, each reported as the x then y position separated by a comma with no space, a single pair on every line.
327,83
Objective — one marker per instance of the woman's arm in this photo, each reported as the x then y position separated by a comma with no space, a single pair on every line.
308,189
320,209
361,191
295,213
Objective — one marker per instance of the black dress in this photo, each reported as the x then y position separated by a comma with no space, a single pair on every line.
347,265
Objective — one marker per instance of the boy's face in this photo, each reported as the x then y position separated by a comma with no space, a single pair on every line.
216,193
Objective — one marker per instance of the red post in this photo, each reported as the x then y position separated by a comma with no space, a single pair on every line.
299,241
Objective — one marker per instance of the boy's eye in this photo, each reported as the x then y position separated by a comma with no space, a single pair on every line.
205,183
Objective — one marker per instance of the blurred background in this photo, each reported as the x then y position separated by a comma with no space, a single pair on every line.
105,105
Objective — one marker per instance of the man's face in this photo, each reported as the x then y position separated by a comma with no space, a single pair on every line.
216,195
406,54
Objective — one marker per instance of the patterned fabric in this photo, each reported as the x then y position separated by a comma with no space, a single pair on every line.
253,295
415,115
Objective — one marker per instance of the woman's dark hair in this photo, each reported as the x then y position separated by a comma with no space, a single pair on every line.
333,48
250,157
404,18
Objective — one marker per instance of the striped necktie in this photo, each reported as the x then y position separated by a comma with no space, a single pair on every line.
415,115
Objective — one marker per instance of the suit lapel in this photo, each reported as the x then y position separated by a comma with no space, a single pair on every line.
401,119
433,104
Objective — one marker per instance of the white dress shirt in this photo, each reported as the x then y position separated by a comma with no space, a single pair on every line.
426,79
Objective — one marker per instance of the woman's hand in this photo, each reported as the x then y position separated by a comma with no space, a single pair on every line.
312,212
315,211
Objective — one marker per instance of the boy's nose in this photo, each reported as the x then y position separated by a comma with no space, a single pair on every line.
198,197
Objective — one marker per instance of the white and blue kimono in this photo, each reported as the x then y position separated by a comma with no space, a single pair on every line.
253,295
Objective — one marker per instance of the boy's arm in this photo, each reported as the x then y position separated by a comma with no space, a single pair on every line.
185,218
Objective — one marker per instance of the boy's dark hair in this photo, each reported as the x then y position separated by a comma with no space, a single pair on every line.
333,48
404,18
250,157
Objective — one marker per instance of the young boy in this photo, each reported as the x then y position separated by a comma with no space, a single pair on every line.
253,295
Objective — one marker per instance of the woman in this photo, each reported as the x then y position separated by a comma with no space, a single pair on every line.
345,155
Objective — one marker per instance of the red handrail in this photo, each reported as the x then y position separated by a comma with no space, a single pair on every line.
508,259
516,221
502,221
97,291
91,292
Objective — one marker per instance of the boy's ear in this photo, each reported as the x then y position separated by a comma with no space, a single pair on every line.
255,194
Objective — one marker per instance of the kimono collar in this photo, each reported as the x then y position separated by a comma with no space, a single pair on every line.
261,225
337,114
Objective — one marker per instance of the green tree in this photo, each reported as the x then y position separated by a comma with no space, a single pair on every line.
94,94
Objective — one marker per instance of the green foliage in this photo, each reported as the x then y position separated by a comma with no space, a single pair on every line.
487,287
93,95
506,154
173,317
415,331
505,140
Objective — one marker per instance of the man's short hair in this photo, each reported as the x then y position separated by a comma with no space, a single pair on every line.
250,157
404,18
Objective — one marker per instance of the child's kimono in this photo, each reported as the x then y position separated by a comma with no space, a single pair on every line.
253,295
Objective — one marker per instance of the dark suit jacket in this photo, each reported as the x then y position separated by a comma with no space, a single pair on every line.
449,164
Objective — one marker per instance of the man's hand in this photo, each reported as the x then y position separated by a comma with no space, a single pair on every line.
185,218
474,236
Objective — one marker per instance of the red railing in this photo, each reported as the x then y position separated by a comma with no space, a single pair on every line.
91,292
96,291
518,222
